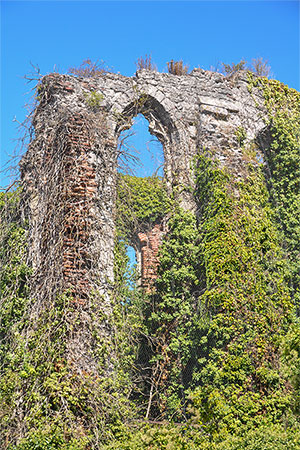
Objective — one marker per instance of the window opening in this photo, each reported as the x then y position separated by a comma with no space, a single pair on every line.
131,267
141,155
132,257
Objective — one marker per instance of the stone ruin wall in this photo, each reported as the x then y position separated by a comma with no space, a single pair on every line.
69,171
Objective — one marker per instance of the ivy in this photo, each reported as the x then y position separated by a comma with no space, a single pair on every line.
282,154
239,378
140,203
220,309
170,312
211,356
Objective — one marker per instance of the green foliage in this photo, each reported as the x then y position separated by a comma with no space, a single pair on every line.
170,312
241,135
127,319
166,436
50,439
220,309
14,270
41,395
140,203
291,360
282,153
94,99
273,437
239,380
215,348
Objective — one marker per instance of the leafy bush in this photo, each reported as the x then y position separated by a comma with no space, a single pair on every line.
50,439
140,202
273,437
184,437
163,436
94,99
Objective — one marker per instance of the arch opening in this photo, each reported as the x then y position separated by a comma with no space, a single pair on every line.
160,126
144,141
140,152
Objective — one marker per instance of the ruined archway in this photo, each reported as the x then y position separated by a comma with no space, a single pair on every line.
69,171
161,126
144,233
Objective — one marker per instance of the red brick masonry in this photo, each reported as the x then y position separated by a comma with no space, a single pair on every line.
150,243
79,194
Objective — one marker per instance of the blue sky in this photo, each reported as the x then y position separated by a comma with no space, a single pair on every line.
202,33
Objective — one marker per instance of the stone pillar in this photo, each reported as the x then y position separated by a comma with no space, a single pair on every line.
69,195
69,188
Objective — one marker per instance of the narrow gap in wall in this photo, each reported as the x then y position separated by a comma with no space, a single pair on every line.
143,156
132,265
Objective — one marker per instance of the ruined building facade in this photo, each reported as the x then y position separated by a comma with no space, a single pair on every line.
69,171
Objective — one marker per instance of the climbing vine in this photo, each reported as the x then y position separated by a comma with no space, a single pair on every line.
170,314
140,203
219,328
46,403
282,153
209,358
240,383
220,307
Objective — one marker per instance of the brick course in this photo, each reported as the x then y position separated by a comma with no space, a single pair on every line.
150,242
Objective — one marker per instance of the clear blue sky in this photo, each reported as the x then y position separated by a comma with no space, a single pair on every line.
202,33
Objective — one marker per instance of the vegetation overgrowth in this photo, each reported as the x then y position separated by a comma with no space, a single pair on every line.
258,66
89,69
282,154
211,358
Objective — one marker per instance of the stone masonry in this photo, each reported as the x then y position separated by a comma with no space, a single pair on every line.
72,161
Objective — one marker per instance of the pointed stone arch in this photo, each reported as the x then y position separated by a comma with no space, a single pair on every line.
161,125
147,240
